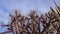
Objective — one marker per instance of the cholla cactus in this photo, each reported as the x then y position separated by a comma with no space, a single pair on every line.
32,25
25,25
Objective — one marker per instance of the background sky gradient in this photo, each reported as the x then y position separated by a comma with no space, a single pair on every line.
24,6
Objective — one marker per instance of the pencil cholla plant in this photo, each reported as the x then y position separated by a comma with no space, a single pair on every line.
21,24
24,25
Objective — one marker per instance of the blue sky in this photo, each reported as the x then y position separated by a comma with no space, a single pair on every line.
25,6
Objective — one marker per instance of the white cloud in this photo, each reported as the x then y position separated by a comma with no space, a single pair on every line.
1,12
3,16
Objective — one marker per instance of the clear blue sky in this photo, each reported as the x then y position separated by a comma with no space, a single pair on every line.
25,6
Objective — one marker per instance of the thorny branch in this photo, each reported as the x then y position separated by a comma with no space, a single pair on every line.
31,25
